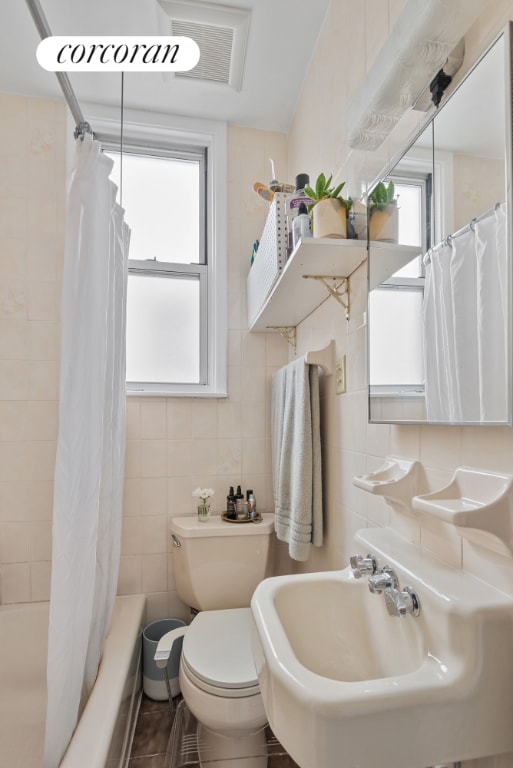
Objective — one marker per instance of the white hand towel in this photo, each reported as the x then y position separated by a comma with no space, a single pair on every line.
296,457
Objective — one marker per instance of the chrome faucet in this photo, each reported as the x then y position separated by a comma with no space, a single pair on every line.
361,565
385,578
401,602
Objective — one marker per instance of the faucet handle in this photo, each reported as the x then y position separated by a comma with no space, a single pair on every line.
361,565
385,578
411,600
395,603
401,602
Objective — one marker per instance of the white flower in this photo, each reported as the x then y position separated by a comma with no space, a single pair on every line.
203,493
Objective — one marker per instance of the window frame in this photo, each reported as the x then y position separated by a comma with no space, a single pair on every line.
163,135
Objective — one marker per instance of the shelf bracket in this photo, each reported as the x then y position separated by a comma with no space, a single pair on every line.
338,288
288,332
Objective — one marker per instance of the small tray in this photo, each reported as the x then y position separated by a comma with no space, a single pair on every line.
257,519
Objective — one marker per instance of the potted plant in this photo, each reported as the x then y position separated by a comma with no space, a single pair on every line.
329,209
383,213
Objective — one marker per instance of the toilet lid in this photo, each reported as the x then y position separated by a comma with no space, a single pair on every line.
217,651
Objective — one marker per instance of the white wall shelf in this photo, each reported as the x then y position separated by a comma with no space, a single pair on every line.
293,297
390,259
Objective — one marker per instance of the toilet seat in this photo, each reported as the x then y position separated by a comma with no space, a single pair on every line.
216,653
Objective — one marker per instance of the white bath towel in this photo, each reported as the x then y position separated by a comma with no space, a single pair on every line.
296,457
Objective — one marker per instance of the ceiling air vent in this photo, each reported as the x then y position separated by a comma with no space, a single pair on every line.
221,34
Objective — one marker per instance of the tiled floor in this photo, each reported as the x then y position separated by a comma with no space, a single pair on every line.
152,735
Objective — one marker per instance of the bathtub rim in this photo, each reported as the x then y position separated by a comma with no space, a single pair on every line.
98,719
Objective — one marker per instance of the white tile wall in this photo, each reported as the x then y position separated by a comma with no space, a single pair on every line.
32,204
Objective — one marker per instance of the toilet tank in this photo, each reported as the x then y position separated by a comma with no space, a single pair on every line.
218,564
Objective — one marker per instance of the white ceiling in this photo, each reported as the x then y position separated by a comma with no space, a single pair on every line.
282,37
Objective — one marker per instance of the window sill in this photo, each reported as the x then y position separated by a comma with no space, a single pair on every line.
131,392
399,391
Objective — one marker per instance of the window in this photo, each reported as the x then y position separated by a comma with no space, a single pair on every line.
172,192
413,194
399,366
395,353
165,332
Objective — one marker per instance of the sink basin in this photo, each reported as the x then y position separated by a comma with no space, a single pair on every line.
340,677
330,642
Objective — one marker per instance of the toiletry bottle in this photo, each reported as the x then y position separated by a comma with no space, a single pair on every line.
301,225
351,232
293,203
231,512
252,510
239,502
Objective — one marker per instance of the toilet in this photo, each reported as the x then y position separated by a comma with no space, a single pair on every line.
217,566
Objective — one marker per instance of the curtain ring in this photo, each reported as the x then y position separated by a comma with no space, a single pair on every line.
82,128
448,240
472,225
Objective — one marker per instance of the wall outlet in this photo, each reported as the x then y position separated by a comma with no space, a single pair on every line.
340,376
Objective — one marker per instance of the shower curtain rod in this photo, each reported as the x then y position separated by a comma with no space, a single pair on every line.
448,240
42,26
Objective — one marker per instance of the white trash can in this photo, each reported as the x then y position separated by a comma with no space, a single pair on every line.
154,684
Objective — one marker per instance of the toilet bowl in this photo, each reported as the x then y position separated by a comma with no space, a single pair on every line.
220,686
217,566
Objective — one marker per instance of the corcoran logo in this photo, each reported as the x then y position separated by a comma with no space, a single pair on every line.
118,54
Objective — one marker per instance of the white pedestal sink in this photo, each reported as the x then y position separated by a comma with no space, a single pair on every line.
346,684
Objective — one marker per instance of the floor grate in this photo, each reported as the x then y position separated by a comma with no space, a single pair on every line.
189,745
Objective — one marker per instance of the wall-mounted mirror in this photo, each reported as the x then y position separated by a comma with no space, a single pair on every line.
440,297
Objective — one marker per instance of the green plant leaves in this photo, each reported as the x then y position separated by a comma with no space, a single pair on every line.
382,195
336,192
323,190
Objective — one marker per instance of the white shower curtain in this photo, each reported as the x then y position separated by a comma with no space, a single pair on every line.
465,325
91,443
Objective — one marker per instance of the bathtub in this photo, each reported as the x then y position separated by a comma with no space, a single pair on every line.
103,735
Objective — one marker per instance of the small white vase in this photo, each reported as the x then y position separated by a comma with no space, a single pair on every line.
329,218
203,513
